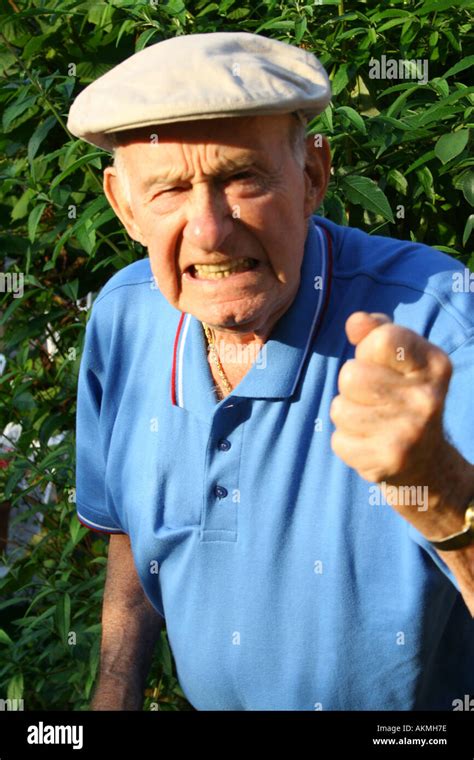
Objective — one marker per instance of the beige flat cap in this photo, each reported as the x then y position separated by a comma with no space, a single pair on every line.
200,76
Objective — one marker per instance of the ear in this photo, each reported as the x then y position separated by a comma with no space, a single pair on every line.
114,192
317,172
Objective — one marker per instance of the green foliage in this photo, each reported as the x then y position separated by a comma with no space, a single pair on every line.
395,143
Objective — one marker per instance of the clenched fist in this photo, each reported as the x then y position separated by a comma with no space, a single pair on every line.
388,414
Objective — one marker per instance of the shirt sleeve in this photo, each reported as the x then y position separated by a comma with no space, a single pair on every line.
94,505
458,426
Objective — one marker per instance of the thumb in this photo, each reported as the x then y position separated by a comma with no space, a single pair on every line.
361,323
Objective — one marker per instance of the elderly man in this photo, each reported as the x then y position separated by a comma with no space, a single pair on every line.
274,412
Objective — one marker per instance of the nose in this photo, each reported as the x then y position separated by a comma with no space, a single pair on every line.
209,219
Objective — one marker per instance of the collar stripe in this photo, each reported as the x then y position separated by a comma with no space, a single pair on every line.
330,266
173,368
318,312
180,360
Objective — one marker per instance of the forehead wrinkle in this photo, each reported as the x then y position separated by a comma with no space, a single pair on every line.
224,165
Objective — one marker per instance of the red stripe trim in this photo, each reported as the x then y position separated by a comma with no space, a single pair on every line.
173,368
96,530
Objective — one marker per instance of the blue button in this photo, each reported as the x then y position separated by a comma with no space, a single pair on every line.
220,492
224,444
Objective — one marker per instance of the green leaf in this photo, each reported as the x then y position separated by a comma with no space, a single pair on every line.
145,38
208,9
468,229
20,209
16,109
85,233
74,166
397,180
451,39
355,118
425,179
464,63
62,617
70,289
435,6
468,187
164,654
390,24
340,80
440,86
77,530
366,193
451,145
15,687
33,220
4,637
127,27
326,119
300,28
428,156
38,136
276,23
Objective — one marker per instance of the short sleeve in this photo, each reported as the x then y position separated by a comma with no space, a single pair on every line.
458,426
94,505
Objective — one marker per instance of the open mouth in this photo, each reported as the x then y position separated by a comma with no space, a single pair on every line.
218,271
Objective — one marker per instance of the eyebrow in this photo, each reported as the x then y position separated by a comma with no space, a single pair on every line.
226,166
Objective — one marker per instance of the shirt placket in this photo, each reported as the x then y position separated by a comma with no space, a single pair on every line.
221,488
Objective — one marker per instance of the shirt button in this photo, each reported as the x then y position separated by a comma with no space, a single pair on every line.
220,492
224,444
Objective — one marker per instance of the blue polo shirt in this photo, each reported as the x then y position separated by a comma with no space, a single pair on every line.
285,584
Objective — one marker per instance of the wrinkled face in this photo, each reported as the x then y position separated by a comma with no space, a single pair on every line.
222,207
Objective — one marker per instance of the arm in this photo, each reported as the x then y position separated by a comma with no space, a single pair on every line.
389,427
130,630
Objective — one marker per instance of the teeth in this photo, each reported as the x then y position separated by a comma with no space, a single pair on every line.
216,271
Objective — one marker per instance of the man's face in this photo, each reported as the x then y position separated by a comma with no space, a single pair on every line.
222,207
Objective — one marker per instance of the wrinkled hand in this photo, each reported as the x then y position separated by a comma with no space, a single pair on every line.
388,414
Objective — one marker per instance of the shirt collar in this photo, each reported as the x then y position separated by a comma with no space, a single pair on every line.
279,364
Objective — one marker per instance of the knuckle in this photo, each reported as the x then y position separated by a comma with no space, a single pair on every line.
429,401
346,375
335,411
441,365
382,340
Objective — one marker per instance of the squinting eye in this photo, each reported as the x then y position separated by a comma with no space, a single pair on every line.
243,175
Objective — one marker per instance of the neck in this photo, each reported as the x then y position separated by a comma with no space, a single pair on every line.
235,351
229,358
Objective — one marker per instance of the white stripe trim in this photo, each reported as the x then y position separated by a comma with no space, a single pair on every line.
324,253
180,361
96,525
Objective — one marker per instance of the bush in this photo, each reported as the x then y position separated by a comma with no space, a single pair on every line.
401,168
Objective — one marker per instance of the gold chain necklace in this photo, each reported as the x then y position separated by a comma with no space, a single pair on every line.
215,358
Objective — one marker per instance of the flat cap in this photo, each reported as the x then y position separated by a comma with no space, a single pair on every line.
200,76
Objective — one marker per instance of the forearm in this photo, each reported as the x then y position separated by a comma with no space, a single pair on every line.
130,630
450,486
128,641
